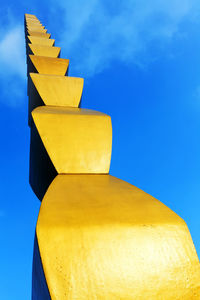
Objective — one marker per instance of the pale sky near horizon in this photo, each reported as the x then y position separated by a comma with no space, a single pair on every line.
141,64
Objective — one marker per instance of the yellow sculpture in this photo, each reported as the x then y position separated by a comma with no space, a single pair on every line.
37,33
43,50
58,90
84,138
41,41
97,237
49,65
102,238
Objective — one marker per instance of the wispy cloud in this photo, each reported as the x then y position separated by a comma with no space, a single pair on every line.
95,33
12,66
12,52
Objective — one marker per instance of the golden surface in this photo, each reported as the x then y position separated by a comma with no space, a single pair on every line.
76,140
33,22
37,29
50,65
58,90
40,34
42,50
40,26
31,19
30,16
41,41
102,238
28,19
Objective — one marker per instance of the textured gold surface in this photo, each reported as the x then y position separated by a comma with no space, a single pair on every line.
42,50
36,28
76,140
58,90
33,22
102,238
30,16
41,34
41,41
31,19
50,65
39,26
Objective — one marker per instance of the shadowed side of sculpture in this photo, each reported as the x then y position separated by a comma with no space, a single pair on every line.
41,170
39,285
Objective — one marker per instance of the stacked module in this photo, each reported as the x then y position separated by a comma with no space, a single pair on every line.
97,237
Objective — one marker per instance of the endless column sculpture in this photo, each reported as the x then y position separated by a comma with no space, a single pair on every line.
97,237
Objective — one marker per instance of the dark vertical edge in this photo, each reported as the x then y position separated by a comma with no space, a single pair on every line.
40,289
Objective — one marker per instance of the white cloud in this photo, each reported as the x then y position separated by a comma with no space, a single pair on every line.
12,66
95,32
12,52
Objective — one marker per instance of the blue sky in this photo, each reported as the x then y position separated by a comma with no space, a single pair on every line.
141,64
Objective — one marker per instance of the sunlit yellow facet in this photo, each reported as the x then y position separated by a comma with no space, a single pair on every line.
36,28
76,140
33,22
58,90
40,34
102,238
30,16
42,50
50,65
41,41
